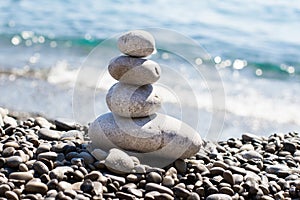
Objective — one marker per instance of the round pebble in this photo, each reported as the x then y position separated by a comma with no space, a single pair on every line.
137,43
133,101
135,71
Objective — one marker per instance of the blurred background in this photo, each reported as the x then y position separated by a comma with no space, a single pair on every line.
255,46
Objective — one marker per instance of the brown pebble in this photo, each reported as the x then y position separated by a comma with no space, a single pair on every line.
35,186
226,190
157,187
26,176
153,177
181,192
125,196
11,195
193,196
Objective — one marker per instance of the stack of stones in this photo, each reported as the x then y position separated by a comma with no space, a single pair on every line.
133,124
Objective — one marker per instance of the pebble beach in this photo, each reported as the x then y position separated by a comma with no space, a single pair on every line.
48,159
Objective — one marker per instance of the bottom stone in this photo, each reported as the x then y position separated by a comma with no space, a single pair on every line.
153,137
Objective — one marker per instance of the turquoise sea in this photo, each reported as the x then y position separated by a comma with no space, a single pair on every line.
255,46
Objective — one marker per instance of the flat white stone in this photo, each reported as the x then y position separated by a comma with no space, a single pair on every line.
133,101
137,43
136,71
158,135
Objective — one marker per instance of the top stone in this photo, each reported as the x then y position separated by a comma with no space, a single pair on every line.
136,43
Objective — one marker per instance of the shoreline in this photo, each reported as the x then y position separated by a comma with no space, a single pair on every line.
37,164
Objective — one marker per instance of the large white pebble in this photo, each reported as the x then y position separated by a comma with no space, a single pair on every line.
160,134
133,101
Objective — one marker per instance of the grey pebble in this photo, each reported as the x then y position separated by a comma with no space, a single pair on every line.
137,43
48,134
119,162
10,121
40,168
135,71
157,187
193,196
133,101
47,155
181,192
14,161
64,185
26,176
87,157
153,177
219,197
87,186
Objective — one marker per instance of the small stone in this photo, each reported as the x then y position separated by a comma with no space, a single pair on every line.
35,186
14,161
119,179
64,185
70,193
88,158
40,168
48,134
72,135
125,196
237,170
98,188
237,178
164,196
26,176
219,197
153,177
9,121
64,124
43,123
119,162
93,175
193,196
99,154
133,101
137,43
252,155
134,71
216,171
290,147
13,144
23,167
8,151
226,190
87,186
168,181
4,188
220,164
11,195
181,192
135,192
157,187
140,169
47,155
228,177
59,172
180,165
248,137
275,169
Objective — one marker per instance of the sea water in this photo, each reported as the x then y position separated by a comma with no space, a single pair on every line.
254,45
